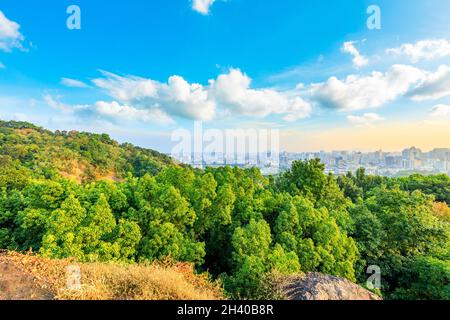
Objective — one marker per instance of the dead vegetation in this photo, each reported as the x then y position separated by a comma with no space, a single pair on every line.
31,277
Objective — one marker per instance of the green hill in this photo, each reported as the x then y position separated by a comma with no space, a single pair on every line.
76,155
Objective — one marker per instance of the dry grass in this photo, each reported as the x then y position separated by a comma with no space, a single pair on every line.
119,282
75,170
135,282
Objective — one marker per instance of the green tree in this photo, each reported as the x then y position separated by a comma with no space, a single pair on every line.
394,228
62,238
426,278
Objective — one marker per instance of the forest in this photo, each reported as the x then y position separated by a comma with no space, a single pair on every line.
81,195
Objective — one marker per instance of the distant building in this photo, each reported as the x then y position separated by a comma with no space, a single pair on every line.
337,162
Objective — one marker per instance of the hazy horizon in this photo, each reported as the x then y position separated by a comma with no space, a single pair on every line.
168,150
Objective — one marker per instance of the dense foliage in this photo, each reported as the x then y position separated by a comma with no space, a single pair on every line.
236,224
82,156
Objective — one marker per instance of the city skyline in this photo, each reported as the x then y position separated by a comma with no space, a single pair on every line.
339,162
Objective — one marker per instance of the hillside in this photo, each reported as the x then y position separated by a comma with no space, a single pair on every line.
75,155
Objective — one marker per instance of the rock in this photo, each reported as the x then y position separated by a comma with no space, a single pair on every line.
15,284
317,286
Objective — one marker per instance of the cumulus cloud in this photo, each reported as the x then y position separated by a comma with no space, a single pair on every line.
357,92
366,119
440,110
10,36
180,98
359,60
72,83
177,97
433,86
123,112
202,6
230,93
297,109
423,50
233,91
112,110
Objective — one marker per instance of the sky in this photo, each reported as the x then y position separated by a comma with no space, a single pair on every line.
140,70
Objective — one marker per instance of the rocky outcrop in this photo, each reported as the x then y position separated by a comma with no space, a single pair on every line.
317,286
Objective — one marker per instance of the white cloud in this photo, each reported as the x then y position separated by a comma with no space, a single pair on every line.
202,6
433,86
72,83
112,110
10,36
233,91
176,97
2,66
180,98
123,112
423,50
66,108
359,60
126,89
230,93
366,119
358,92
297,109
440,110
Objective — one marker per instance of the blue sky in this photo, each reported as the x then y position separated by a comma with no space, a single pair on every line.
140,69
